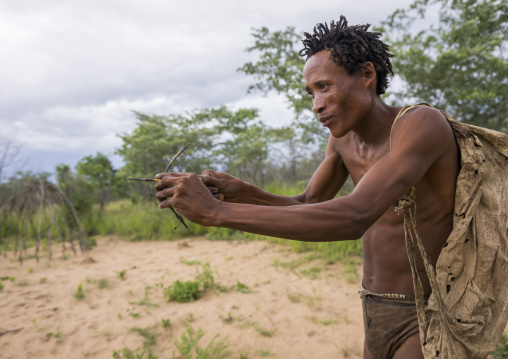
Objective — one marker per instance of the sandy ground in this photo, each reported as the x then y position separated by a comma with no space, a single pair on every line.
310,311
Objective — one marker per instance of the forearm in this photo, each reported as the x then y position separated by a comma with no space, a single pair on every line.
255,195
325,222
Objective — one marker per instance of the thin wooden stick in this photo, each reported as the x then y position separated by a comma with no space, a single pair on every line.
5,331
174,158
48,237
179,218
39,225
23,235
84,247
4,220
68,231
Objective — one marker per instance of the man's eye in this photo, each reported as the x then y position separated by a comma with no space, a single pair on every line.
322,86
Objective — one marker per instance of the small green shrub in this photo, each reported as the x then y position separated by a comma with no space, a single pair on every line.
79,295
242,288
228,319
102,283
132,313
265,332
121,274
183,292
205,277
216,348
166,323
22,283
190,291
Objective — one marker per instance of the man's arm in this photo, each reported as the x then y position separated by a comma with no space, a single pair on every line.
324,184
419,139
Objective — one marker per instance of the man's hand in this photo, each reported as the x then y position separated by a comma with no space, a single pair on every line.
223,186
188,195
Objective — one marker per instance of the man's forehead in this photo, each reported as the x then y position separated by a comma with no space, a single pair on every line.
320,64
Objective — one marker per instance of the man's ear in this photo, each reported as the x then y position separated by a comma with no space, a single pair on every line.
369,74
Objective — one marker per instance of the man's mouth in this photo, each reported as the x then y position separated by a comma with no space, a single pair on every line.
325,121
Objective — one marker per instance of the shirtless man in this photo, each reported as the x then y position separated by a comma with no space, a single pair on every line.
345,73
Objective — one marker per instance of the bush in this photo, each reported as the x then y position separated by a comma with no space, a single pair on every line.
183,292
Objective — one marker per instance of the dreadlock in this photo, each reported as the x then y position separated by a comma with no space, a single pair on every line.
351,47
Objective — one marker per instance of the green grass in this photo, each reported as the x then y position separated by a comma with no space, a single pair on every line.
145,221
350,273
502,350
311,273
145,301
145,352
189,263
137,221
22,283
189,348
265,332
242,288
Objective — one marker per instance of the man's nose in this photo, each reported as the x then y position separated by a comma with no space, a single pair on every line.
318,105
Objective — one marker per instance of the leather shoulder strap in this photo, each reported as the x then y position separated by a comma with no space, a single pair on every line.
401,113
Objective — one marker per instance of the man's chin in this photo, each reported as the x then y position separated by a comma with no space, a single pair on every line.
337,133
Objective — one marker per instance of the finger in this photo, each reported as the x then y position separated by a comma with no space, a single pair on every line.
171,174
209,181
165,193
213,189
167,181
209,173
219,196
166,203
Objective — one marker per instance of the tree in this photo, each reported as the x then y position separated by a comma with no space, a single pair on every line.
10,156
460,64
99,173
280,69
74,187
246,145
148,149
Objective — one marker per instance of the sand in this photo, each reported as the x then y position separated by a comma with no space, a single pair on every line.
310,311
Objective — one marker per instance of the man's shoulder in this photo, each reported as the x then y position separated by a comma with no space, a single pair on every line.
424,124
419,115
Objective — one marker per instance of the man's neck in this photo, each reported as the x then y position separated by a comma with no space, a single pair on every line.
375,128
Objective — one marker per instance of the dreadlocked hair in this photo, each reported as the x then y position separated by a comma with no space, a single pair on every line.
351,47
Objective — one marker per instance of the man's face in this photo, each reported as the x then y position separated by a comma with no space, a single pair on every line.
340,100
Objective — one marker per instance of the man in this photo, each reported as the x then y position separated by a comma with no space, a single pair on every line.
345,74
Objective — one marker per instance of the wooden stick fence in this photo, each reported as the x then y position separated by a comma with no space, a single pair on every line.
42,202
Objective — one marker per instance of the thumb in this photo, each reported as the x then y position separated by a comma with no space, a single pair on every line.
209,173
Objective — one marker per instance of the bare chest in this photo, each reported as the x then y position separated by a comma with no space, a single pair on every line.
359,158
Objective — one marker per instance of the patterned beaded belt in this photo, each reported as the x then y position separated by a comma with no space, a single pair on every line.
365,292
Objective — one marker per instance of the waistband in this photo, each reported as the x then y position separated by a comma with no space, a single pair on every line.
365,292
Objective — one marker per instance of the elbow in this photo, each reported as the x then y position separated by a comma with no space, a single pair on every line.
359,224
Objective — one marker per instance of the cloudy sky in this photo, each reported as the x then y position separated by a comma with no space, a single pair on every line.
71,72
